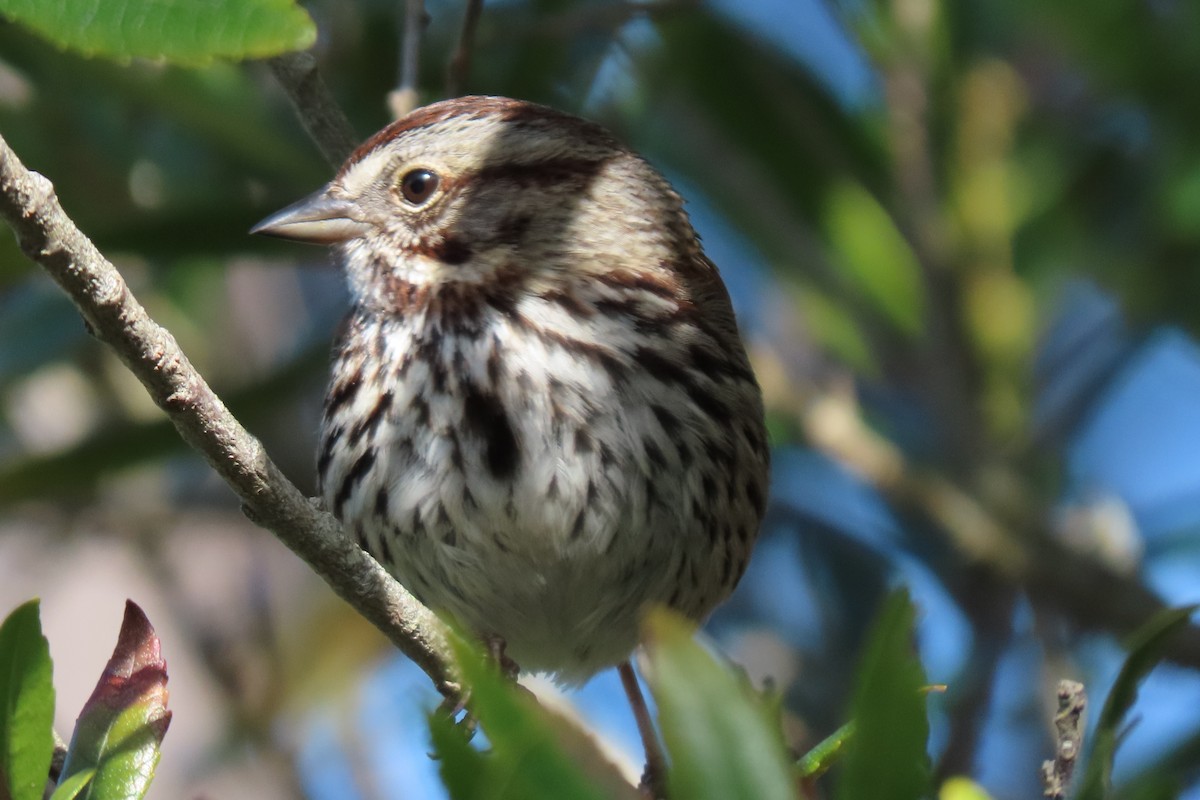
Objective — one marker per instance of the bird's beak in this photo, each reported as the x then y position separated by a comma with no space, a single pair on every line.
318,218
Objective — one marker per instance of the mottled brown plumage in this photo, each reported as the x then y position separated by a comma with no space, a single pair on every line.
541,418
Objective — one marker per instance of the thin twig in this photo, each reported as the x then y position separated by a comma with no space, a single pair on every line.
1068,726
404,97
48,236
989,609
319,113
458,70
948,366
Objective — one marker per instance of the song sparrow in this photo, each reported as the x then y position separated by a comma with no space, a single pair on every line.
541,418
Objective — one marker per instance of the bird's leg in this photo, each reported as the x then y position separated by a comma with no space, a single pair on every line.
456,702
453,705
495,648
508,668
654,778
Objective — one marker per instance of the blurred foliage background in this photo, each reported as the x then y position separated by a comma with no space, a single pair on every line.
964,243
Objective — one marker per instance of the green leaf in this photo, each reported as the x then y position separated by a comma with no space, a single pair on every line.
1146,647
817,761
886,759
1156,786
535,754
27,710
72,786
875,256
835,329
463,768
121,727
722,741
178,31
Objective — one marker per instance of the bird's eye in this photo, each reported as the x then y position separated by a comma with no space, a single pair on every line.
418,185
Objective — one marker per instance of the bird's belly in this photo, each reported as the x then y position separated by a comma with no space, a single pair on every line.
554,554
542,499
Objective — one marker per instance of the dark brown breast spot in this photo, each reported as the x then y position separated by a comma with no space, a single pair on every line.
485,416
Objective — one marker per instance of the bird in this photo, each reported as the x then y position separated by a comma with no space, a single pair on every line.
541,417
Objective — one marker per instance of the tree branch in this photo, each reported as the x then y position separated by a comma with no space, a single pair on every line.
1068,726
404,97
49,237
1023,553
319,113
459,68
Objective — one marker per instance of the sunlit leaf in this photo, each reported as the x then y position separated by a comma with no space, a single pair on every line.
835,328
1182,201
721,740
875,256
122,724
886,759
960,788
26,705
178,31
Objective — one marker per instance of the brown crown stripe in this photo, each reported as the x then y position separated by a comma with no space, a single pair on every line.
473,106
518,112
